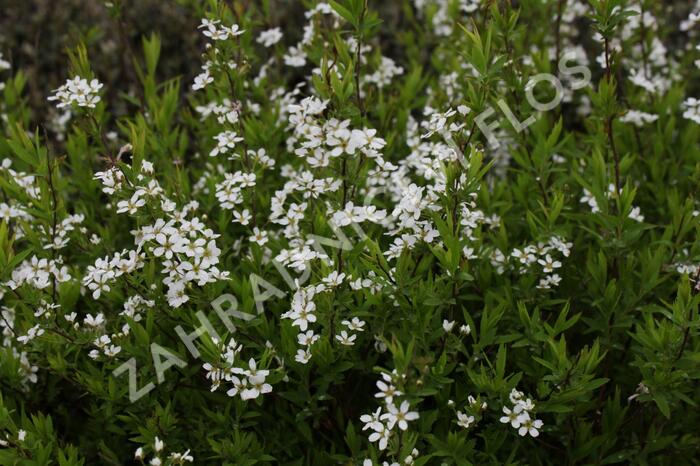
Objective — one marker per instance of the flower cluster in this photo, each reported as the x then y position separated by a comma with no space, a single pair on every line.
78,91
472,412
225,142
105,346
323,162
691,107
635,212
188,253
252,385
39,273
541,255
638,118
156,460
185,247
302,314
215,31
383,421
106,270
270,37
520,415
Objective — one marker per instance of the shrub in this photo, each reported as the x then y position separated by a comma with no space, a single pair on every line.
409,232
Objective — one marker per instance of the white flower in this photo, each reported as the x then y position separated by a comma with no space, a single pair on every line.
334,279
295,57
527,404
447,325
238,385
226,140
381,435
32,333
233,30
636,214
256,387
180,457
345,339
252,370
372,421
211,29
131,206
112,351
201,81
691,107
399,415
463,110
308,338
464,420
355,324
243,217
549,281
530,426
4,64
515,396
302,312
302,356
638,118
270,37
259,237
548,264
387,391
515,417
77,91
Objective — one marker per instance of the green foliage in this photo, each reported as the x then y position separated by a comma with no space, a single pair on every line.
555,273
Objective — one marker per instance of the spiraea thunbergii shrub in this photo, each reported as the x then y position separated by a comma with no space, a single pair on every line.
407,232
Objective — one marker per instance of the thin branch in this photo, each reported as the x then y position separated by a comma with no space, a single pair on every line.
358,63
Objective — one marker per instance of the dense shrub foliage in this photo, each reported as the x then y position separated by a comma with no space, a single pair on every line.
357,232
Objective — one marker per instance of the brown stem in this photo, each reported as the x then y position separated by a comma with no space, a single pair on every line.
607,59
54,208
358,63
616,156
557,32
642,38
